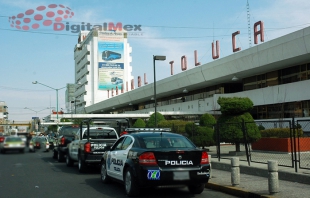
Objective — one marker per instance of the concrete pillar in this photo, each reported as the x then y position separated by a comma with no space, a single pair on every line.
235,171
273,179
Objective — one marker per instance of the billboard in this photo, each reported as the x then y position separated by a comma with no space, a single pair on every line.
110,60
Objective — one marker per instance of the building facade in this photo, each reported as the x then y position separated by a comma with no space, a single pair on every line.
102,67
3,117
275,75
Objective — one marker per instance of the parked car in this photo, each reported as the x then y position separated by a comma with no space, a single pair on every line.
147,158
12,143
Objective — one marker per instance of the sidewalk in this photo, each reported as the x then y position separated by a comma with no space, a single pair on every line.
254,180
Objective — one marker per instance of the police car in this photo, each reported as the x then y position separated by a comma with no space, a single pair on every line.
153,158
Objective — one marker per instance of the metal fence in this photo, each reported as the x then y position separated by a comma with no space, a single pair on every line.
298,156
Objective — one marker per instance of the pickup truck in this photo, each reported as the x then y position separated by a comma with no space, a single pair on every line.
65,135
88,146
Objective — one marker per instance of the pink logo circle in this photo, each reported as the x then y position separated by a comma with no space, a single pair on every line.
41,16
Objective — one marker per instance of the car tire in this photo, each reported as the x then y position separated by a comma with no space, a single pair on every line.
196,189
69,161
54,155
60,156
104,173
131,184
81,165
22,150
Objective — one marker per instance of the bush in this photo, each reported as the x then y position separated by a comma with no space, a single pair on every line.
261,127
235,105
207,120
203,137
280,133
151,122
190,128
176,126
231,128
139,123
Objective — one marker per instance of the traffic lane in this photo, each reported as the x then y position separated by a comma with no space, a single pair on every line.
39,175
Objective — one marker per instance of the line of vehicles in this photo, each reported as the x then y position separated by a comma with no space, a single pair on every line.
136,157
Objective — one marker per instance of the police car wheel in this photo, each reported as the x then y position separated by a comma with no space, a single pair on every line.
54,154
81,165
196,189
60,157
69,161
131,185
104,175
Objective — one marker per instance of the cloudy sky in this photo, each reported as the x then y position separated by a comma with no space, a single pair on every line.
168,27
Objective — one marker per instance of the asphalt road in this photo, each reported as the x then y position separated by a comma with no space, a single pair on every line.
39,175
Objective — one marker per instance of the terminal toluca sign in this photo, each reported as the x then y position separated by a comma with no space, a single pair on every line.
216,49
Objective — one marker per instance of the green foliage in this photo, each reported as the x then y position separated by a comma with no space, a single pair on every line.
77,120
176,126
207,120
203,137
151,122
52,128
261,127
235,105
139,123
231,128
281,132
65,120
190,128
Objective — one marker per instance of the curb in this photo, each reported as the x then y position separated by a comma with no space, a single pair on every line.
235,191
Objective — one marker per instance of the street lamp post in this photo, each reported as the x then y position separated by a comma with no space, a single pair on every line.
36,118
36,111
36,82
162,58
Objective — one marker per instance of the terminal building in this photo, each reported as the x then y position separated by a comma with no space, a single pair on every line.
275,75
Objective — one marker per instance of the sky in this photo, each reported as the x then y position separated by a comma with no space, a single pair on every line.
172,28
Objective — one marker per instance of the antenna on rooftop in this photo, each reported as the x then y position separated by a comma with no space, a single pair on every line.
249,23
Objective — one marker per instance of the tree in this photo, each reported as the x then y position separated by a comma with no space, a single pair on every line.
139,123
235,111
151,122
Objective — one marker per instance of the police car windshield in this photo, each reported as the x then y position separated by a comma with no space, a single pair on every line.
157,141
101,134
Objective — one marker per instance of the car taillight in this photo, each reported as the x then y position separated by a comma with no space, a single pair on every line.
1,139
204,158
147,158
87,147
62,141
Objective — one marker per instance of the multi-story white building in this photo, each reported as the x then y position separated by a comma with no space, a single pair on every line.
102,67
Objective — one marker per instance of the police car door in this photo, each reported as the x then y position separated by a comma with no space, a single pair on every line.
112,166
120,157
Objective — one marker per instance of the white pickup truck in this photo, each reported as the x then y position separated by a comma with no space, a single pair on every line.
88,146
